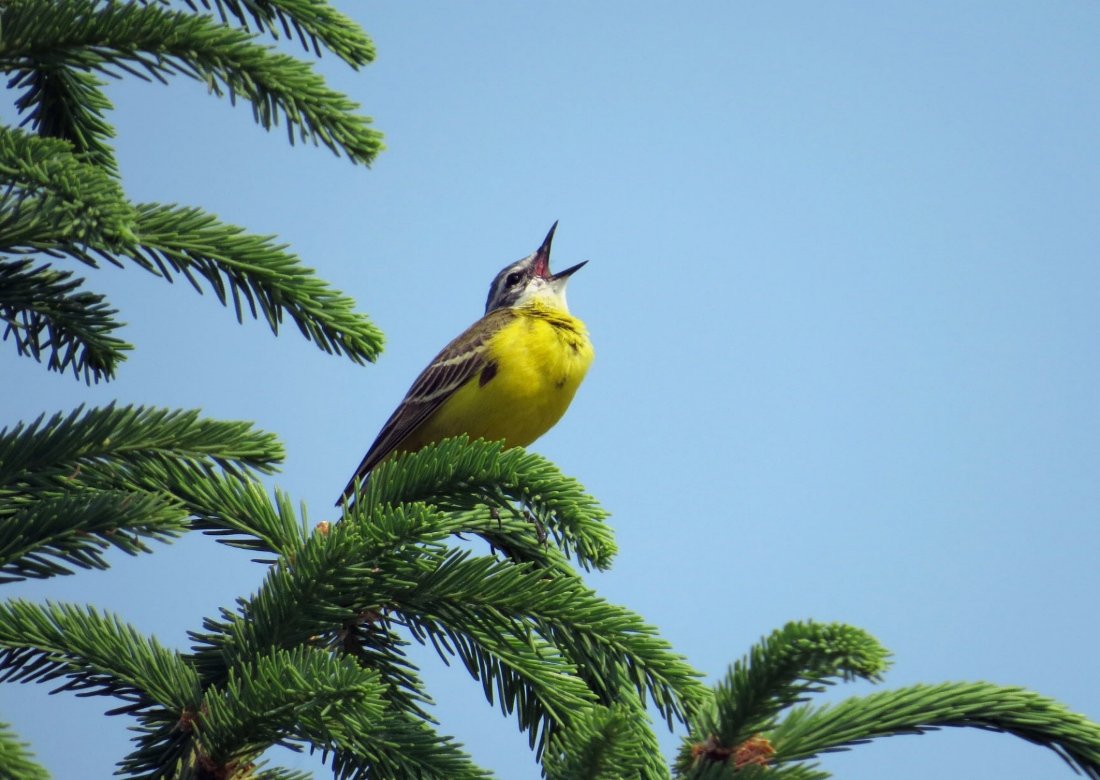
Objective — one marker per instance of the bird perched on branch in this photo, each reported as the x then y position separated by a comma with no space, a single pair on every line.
511,375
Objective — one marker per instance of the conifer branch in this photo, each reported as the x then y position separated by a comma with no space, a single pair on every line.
75,485
607,646
322,593
254,273
240,513
784,669
605,743
525,675
106,446
311,599
99,654
61,102
16,761
303,696
458,474
507,623
279,773
46,312
371,641
609,641
511,533
53,202
406,747
151,41
45,537
314,23
727,771
808,731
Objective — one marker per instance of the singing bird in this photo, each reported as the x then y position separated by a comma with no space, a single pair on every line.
511,375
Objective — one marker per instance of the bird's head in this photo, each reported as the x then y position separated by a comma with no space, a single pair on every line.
530,279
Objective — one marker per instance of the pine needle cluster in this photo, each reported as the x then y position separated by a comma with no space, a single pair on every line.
471,549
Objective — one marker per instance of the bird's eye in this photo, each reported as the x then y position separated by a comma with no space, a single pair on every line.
513,278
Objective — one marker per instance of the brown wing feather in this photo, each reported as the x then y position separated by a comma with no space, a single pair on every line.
448,371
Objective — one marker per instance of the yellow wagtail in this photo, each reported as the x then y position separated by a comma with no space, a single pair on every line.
511,375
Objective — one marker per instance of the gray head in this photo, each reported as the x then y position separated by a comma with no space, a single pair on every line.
529,279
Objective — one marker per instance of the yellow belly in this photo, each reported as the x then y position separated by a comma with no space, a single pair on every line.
540,359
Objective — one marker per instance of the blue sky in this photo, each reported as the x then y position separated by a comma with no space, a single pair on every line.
845,263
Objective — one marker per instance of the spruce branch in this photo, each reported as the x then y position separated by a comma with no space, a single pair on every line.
240,513
604,644
511,533
322,592
320,587
61,102
465,593
153,42
407,747
74,485
16,761
303,696
314,596
98,653
727,771
279,773
605,743
394,569
508,624
526,676
783,669
608,646
46,537
372,642
458,474
395,742
253,272
52,201
109,447
46,312
314,24
808,731
56,204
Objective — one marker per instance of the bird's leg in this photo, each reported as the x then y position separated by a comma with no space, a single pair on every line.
540,529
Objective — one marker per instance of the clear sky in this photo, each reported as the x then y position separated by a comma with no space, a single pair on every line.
845,294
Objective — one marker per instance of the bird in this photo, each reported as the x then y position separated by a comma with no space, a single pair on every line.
510,376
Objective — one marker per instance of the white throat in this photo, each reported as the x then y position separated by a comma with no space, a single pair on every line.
546,292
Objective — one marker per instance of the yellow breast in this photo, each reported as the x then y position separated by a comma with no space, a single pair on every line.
535,364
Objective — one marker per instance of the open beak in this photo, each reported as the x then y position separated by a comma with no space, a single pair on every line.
542,260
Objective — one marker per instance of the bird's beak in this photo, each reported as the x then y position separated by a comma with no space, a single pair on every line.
542,262
542,254
563,275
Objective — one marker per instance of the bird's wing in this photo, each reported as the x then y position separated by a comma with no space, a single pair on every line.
458,362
